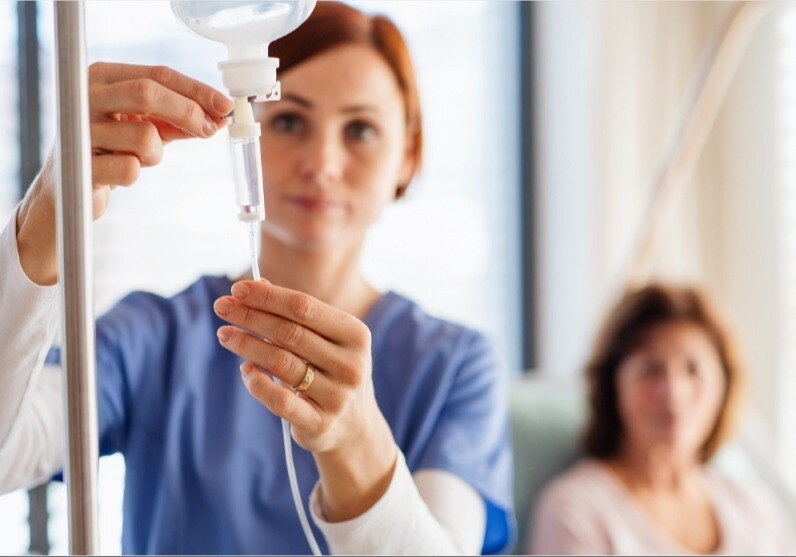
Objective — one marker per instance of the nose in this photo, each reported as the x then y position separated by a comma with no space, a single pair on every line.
322,160
674,387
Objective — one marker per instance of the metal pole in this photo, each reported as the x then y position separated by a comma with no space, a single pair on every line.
29,164
28,101
75,269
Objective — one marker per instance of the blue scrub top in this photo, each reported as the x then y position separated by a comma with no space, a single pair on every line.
205,463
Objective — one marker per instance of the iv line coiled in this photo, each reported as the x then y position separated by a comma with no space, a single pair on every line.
286,438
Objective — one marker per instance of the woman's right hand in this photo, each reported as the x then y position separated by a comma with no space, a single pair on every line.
134,111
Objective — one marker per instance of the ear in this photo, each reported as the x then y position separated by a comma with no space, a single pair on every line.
410,160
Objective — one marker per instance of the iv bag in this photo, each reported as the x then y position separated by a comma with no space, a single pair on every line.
246,27
242,24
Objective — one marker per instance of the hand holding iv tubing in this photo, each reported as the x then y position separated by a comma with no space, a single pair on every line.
337,418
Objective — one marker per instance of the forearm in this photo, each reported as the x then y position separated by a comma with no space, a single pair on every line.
28,321
35,229
446,518
356,476
34,449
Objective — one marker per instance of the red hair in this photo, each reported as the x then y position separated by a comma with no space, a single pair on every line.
334,24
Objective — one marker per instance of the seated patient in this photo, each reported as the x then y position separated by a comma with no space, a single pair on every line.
664,386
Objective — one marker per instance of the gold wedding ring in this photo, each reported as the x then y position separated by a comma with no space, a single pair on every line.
309,377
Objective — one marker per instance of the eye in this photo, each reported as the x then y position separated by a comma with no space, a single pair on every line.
288,123
651,369
360,130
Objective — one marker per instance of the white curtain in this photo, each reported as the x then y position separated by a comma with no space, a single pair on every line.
650,52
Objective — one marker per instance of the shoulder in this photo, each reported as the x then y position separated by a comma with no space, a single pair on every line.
400,325
750,496
150,312
751,507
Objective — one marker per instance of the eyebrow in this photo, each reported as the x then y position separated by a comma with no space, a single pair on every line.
301,101
296,99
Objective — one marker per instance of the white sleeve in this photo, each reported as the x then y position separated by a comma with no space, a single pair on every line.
28,323
34,450
436,513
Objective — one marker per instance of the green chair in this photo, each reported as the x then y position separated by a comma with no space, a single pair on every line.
547,415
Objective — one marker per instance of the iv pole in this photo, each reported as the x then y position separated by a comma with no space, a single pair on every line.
75,266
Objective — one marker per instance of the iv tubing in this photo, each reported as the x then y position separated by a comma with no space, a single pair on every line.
286,438
253,250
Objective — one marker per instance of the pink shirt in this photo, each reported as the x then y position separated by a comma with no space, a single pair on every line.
587,510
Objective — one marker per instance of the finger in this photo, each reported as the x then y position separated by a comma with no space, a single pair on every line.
212,101
149,98
141,139
169,133
114,170
291,336
280,400
329,322
284,365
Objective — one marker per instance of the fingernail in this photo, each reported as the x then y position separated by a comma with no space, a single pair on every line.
222,104
245,370
210,127
240,290
224,334
222,307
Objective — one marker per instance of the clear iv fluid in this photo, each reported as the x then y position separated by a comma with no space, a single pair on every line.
243,22
248,178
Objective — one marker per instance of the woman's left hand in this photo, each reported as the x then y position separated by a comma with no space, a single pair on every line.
338,411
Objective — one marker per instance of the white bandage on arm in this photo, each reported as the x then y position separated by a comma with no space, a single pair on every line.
28,323
436,513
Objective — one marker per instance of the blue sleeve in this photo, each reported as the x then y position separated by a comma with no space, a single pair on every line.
131,342
471,438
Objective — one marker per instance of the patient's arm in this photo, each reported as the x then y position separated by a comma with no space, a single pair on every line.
28,321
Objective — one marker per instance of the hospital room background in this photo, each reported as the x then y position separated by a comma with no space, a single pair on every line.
548,128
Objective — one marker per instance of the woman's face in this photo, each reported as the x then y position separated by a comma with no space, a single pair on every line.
670,391
334,149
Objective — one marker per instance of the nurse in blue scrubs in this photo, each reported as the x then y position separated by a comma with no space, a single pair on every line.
378,385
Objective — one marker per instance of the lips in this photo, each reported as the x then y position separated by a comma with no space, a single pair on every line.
314,204
669,420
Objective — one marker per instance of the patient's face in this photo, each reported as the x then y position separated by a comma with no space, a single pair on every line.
670,391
